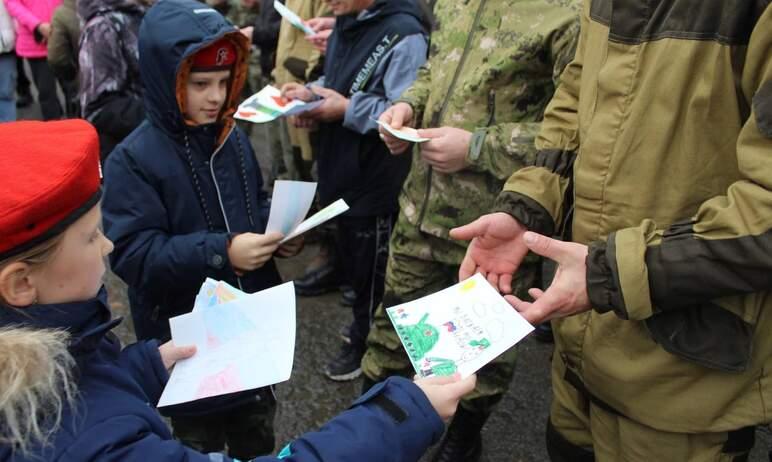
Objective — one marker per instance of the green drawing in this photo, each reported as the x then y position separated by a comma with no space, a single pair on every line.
438,366
483,343
418,338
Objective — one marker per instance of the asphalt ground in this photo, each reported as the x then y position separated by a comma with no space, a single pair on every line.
514,433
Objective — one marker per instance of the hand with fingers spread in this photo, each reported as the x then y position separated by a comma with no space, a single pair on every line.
446,149
170,353
496,250
567,294
397,116
445,392
249,251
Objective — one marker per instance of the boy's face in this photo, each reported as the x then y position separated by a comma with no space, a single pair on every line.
205,95
341,7
75,271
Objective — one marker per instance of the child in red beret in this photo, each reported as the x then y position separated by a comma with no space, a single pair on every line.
67,390
184,201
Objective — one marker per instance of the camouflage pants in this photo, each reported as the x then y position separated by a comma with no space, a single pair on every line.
418,265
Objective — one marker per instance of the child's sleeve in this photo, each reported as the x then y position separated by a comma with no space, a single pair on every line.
146,254
143,362
394,421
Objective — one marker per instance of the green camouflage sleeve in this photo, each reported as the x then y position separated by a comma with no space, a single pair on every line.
505,148
418,93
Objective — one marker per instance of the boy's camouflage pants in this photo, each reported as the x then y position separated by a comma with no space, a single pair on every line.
418,265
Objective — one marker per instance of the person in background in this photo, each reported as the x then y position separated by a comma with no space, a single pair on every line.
63,54
7,66
34,29
70,392
23,92
108,59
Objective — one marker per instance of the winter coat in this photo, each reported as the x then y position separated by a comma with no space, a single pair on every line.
371,58
110,87
492,69
114,418
63,44
7,31
659,141
29,14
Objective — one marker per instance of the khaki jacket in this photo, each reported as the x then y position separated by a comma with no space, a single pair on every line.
292,42
659,141
491,71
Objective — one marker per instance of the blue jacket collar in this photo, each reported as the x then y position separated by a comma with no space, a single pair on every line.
87,322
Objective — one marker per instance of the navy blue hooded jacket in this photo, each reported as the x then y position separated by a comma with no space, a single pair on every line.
174,193
353,162
114,418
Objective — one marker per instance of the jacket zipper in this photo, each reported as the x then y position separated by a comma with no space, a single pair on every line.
438,118
217,188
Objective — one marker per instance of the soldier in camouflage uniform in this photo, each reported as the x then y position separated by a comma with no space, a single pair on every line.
492,69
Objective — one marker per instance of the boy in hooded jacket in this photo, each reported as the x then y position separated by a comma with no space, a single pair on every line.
184,201
69,393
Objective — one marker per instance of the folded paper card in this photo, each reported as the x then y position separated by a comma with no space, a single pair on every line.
404,133
458,329
292,17
290,203
268,104
243,341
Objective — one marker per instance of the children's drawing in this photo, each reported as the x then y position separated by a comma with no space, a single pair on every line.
458,329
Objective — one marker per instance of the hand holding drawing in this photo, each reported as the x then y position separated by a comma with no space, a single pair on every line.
446,149
171,353
567,294
249,251
333,106
444,392
397,116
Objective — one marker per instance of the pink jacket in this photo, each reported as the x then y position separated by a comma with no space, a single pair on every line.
28,14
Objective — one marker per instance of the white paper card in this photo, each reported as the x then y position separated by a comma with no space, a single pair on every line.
247,343
405,133
268,104
458,329
290,203
327,213
293,18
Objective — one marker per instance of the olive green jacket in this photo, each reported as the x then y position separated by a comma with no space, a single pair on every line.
492,70
659,141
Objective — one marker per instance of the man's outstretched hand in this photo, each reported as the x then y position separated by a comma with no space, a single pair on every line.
496,250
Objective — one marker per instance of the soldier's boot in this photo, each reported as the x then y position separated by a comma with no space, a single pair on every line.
463,440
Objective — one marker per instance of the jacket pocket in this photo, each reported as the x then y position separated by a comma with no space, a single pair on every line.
706,334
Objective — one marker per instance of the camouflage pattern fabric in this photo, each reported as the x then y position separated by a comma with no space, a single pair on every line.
415,269
493,68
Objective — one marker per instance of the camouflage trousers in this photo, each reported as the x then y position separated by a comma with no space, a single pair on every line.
418,265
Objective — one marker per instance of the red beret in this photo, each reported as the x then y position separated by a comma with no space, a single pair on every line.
49,177
217,56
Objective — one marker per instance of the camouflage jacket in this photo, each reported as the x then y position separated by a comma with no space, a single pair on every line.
492,69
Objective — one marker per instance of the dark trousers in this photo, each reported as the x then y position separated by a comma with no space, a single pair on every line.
45,82
22,82
363,249
247,429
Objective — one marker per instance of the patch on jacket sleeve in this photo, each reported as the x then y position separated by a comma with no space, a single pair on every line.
762,106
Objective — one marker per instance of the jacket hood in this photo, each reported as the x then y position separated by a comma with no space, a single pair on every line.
87,9
381,9
172,31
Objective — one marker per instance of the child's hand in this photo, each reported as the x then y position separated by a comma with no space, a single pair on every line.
291,247
170,353
249,251
292,90
445,392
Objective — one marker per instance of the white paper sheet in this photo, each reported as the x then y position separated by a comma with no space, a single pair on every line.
267,105
405,133
290,203
458,329
292,17
327,213
242,344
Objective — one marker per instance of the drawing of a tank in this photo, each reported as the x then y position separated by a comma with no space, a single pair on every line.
438,366
419,338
